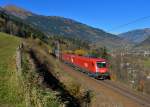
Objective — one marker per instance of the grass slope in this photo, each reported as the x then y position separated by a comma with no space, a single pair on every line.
20,90
10,89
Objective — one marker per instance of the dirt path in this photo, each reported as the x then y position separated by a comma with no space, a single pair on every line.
103,97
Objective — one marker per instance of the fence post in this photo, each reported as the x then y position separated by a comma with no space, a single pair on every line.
18,59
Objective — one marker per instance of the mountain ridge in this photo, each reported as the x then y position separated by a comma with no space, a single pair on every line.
137,36
17,11
145,43
55,25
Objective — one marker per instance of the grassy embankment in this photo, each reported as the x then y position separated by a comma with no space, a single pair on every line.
11,90
66,82
20,90
37,94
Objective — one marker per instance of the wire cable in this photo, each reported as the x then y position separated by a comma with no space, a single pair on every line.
131,22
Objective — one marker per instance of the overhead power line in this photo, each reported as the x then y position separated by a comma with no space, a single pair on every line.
131,22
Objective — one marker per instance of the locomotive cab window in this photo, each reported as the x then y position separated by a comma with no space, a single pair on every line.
101,64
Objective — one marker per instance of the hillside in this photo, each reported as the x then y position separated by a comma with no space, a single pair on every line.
10,88
54,25
136,36
16,26
145,43
21,87
18,11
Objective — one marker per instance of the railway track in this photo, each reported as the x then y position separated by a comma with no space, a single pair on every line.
139,98
143,100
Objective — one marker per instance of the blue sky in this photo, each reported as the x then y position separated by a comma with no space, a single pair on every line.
103,14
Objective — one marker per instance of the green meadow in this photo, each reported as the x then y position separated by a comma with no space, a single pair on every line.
11,94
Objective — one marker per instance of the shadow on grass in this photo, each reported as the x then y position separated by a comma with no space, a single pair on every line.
52,82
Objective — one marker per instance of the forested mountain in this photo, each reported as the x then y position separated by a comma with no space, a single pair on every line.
16,26
145,43
54,25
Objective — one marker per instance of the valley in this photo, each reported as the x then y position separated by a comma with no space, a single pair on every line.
33,72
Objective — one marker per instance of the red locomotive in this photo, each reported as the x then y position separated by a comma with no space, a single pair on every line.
96,67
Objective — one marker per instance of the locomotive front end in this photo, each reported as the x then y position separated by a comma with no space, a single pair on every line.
102,70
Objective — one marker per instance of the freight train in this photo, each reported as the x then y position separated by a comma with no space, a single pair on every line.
94,67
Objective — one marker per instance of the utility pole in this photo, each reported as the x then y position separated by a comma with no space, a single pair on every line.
57,49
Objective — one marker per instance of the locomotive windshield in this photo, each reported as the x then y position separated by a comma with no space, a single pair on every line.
101,64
